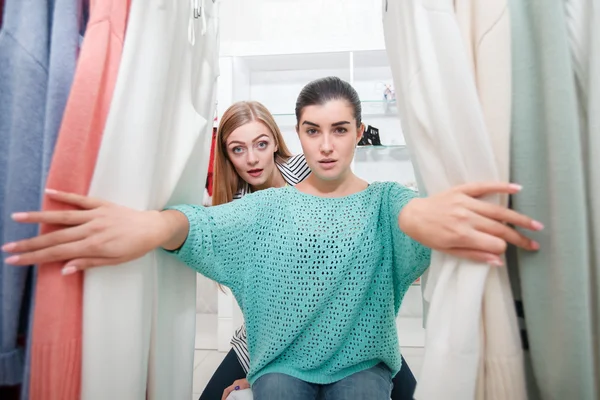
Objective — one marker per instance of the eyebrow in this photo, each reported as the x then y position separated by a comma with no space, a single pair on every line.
334,124
254,140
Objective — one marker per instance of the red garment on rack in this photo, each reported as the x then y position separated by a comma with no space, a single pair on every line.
57,322
211,162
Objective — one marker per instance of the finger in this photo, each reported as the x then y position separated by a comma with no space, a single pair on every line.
505,233
478,189
500,213
48,240
242,384
61,252
226,392
78,200
83,264
478,256
473,239
70,217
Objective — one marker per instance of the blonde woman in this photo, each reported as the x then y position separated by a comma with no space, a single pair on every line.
250,155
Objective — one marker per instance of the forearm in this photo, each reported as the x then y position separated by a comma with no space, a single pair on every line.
406,221
176,227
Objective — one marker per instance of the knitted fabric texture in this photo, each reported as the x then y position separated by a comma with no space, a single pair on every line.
319,280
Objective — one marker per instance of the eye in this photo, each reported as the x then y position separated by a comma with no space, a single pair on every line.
237,150
311,131
341,130
262,145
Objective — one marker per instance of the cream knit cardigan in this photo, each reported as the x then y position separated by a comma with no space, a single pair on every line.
451,67
139,317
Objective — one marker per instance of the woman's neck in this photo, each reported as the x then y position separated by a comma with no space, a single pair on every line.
274,181
346,185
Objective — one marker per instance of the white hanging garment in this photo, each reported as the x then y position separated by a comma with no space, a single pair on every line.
448,85
139,317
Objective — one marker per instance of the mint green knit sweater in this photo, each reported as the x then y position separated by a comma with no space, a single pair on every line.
319,280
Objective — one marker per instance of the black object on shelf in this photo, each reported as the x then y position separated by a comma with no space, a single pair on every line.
370,137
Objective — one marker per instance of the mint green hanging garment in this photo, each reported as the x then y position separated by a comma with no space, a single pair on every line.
591,140
546,158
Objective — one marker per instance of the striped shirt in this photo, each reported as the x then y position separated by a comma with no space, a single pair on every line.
294,171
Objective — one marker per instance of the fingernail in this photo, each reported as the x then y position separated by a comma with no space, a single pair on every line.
12,259
538,226
51,191
9,246
20,216
68,270
496,262
516,186
535,245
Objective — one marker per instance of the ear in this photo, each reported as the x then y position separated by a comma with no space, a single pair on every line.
359,133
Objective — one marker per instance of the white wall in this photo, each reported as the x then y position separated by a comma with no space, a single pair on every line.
300,26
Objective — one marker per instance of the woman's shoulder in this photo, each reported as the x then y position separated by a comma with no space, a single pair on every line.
392,190
394,185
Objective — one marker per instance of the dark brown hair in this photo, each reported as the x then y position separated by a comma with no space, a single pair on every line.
322,90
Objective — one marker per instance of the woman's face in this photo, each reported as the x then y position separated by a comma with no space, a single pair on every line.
329,135
251,149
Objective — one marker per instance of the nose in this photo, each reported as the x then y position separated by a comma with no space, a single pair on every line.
326,146
252,159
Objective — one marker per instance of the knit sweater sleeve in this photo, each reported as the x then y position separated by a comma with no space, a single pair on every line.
411,258
219,239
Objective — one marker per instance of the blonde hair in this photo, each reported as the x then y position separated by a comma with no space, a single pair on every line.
226,181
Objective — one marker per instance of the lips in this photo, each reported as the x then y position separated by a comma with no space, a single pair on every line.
255,172
327,163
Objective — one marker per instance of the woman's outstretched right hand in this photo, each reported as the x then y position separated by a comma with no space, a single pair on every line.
97,233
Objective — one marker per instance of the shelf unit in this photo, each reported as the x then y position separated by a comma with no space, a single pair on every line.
276,80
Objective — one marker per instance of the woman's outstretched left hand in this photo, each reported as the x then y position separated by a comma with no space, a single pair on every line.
459,223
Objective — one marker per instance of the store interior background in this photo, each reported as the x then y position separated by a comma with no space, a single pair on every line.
269,50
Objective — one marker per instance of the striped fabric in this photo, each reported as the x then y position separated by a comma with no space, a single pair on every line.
294,171
239,342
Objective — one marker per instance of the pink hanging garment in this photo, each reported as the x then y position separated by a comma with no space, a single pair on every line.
57,322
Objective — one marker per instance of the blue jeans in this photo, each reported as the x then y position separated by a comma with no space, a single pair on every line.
371,384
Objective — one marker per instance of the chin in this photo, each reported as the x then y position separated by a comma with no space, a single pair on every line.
252,181
331,175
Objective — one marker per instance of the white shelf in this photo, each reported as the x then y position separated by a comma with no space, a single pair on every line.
291,62
398,152
370,107
370,59
362,59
